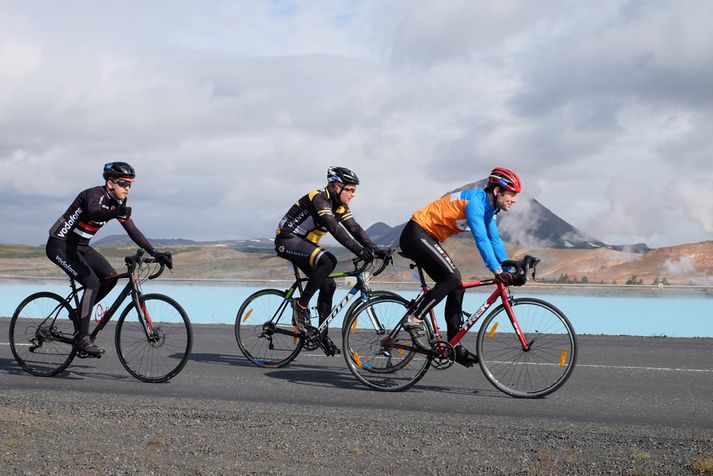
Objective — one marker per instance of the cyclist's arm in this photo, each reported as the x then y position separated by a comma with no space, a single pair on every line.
326,216
356,230
496,241
475,216
136,235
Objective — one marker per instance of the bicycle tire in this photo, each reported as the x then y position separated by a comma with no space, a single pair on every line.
43,347
548,362
380,364
264,329
162,355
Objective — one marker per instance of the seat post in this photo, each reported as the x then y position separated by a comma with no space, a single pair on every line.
298,279
75,292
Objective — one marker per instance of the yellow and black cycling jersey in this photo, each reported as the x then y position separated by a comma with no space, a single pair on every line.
318,213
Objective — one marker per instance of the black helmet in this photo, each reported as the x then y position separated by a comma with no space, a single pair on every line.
341,174
118,170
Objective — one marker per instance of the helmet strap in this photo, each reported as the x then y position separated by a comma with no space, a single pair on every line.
495,198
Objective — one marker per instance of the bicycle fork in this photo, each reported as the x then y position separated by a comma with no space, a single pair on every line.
144,318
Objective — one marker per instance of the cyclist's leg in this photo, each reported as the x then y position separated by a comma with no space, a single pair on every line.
69,257
324,301
453,311
425,251
103,269
324,308
316,262
324,266
318,269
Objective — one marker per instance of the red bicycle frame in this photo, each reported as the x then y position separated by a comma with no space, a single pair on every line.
500,292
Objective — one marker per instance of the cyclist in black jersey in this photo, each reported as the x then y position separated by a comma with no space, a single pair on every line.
68,243
305,223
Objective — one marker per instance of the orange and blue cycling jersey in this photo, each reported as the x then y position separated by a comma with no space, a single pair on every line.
462,211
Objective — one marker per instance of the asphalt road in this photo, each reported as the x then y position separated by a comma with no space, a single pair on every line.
654,381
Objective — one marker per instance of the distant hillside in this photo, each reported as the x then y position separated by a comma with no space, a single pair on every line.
242,245
683,264
124,240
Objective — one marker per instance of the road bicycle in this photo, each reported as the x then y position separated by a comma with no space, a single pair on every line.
526,347
153,334
264,329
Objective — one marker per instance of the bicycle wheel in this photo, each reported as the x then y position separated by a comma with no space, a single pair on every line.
548,362
155,348
264,329
42,334
378,357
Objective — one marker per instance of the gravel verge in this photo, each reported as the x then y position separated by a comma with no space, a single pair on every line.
72,433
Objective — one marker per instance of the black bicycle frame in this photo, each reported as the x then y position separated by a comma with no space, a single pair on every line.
131,289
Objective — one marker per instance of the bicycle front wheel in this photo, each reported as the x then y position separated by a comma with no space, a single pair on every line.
42,334
549,359
264,329
377,356
154,346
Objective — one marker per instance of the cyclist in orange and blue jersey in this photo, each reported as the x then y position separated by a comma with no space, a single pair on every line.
421,238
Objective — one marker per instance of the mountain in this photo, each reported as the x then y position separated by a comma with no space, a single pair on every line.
378,229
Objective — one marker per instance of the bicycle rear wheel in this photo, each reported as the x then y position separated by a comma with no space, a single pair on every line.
264,329
154,348
378,357
541,369
42,334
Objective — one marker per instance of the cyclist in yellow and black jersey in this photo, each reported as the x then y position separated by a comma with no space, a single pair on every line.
300,230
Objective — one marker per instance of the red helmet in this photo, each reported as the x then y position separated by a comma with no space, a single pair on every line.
505,179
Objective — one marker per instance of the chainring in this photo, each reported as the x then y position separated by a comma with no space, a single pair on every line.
443,354
312,339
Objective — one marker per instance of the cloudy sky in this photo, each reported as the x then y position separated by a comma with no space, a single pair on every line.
230,110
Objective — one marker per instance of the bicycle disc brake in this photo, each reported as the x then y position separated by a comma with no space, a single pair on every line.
313,340
443,354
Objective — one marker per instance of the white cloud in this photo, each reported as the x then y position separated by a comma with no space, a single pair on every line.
230,112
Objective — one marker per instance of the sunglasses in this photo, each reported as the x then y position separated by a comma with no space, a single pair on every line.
351,190
123,183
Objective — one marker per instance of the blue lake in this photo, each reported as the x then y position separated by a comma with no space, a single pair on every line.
685,316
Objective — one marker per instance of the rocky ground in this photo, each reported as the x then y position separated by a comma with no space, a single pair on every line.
71,433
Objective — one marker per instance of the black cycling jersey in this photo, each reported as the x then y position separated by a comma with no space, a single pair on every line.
88,213
319,212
